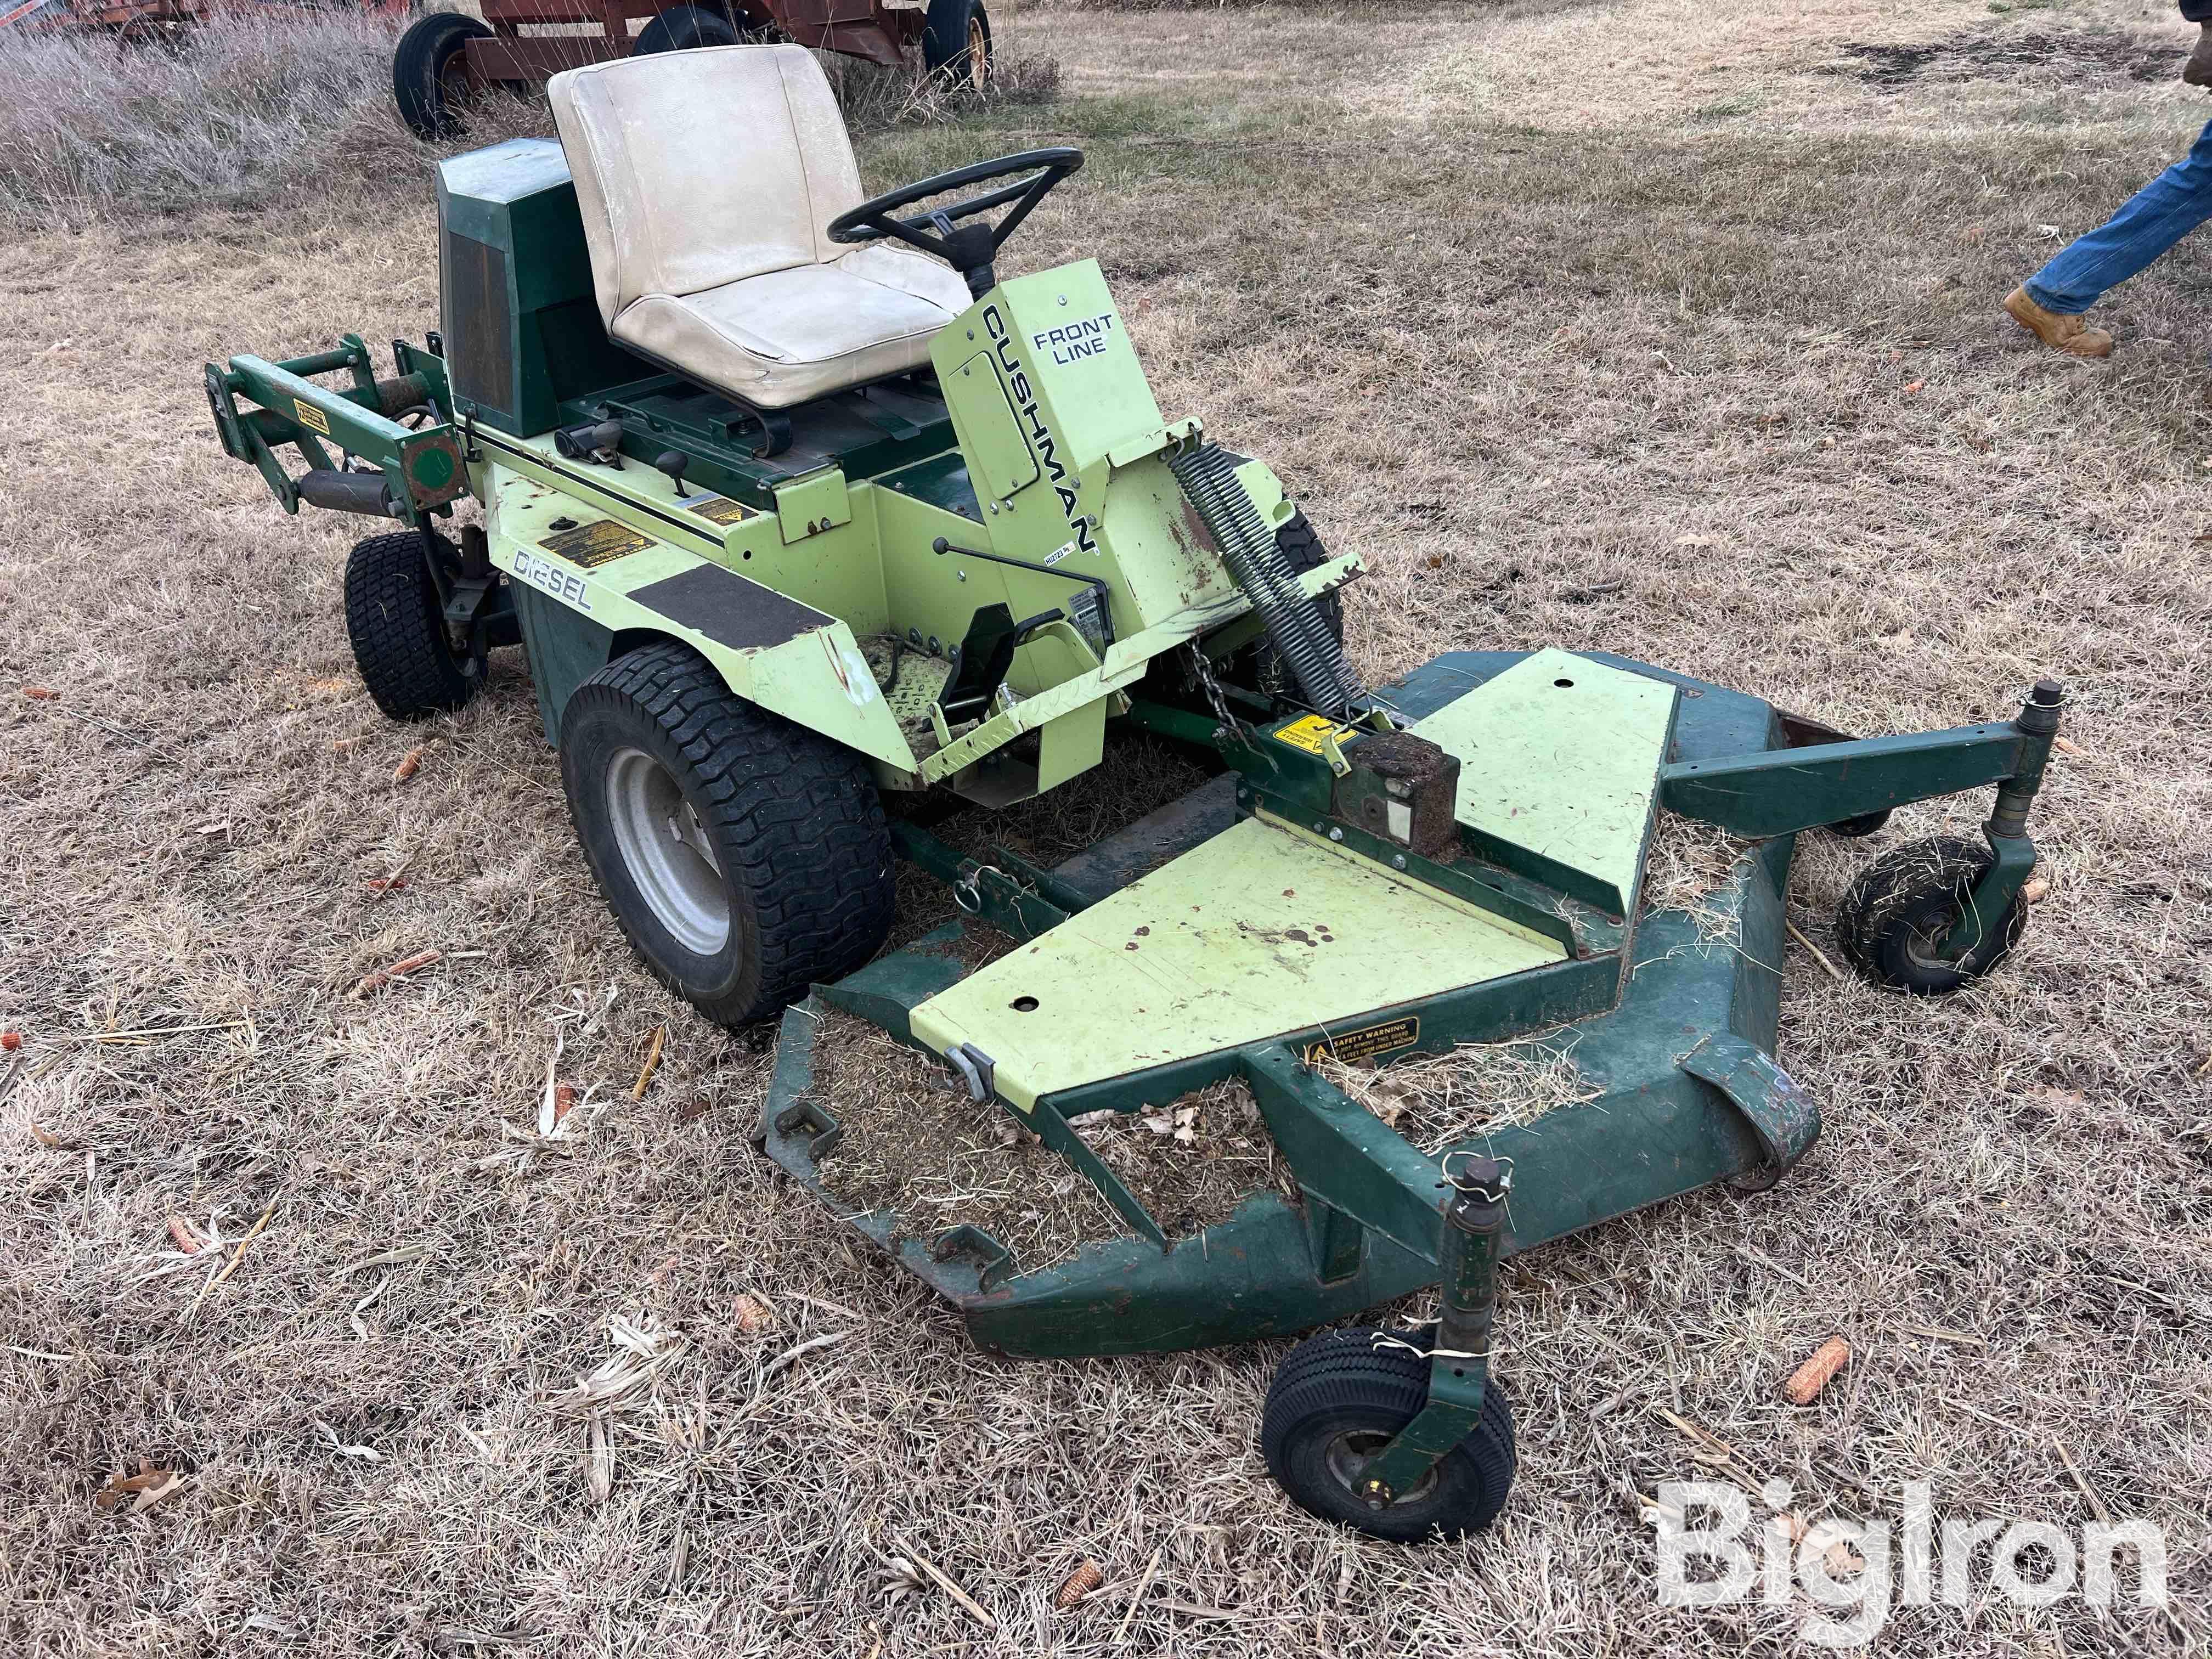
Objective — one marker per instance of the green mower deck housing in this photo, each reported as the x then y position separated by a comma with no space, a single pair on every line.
956,585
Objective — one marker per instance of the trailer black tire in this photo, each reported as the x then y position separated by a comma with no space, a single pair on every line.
393,621
955,43
1908,899
425,82
801,854
682,28
1337,1397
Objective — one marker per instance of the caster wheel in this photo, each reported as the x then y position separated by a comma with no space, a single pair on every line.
1898,911
1866,824
1337,1400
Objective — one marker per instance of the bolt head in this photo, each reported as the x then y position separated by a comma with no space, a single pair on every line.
1336,835
1398,861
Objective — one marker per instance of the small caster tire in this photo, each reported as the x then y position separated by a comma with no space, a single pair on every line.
398,630
1866,824
1903,905
745,857
1337,1400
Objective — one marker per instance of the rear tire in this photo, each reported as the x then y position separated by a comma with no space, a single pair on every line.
1338,1399
683,28
955,43
429,79
746,858
397,627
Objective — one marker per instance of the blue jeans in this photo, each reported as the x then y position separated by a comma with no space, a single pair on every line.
2152,221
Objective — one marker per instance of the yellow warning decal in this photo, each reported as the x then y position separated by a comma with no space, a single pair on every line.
1307,733
719,509
1368,1042
600,542
311,417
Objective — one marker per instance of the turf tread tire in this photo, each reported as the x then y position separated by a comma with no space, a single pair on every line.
1260,665
794,817
418,71
393,621
1898,895
1340,1377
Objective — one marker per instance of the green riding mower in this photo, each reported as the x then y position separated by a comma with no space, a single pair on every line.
815,531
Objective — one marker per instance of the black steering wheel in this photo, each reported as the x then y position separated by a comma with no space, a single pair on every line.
968,249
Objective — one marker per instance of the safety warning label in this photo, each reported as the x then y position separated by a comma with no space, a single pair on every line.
1368,1042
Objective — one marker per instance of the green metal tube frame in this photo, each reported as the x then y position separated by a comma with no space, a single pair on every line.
422,468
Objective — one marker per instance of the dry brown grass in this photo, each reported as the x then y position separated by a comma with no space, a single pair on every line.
1512,345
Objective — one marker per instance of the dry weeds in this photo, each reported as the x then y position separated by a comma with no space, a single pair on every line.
915,1144
1517,327
1436,1101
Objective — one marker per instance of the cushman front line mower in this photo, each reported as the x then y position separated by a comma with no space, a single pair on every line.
797,508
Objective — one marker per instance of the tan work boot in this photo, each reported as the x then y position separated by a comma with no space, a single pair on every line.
2056,328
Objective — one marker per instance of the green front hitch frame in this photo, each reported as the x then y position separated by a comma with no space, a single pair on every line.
1472,1229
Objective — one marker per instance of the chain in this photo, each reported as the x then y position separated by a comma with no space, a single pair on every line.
1211,687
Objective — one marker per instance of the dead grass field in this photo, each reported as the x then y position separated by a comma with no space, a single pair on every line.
1664,328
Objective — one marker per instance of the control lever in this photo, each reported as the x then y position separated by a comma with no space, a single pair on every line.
673,463
599,442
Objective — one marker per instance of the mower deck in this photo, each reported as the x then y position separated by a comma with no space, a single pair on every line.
1669,1024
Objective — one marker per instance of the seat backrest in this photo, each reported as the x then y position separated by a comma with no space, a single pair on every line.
697,168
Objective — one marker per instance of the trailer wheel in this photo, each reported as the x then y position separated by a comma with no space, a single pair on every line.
680,28
398,630
745,857
1338,1399
430,72
1905,902
955,43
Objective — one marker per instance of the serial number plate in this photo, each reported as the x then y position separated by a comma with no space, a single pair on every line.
600,542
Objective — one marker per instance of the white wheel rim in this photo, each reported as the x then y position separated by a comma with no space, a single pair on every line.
665,847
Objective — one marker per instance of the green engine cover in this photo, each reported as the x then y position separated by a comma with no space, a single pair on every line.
522,327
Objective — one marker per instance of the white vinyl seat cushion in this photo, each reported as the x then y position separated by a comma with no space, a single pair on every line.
707,180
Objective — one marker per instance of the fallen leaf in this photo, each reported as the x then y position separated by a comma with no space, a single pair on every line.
1914,386
408,764
753,1316
10,1040
40,692
187,1240
46,1137
564,1101
1843,1561
384,884
694,1108
152,1495
120,1486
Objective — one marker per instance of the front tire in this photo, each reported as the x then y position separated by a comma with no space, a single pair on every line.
396,628
1906,901
429,73
746,858
955,43
1338,1399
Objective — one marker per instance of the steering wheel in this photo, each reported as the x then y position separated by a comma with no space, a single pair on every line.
968,249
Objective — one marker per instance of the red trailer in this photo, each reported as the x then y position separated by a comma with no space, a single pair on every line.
151,22
446,58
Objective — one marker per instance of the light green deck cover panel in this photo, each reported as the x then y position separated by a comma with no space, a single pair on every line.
1263,929
1566,771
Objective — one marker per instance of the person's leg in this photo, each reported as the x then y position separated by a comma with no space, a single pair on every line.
2150,221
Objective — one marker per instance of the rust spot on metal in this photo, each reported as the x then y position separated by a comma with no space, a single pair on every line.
1143,932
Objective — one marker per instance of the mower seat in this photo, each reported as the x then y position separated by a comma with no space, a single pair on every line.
705,179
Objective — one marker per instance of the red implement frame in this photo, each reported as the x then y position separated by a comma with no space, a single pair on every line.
881,32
